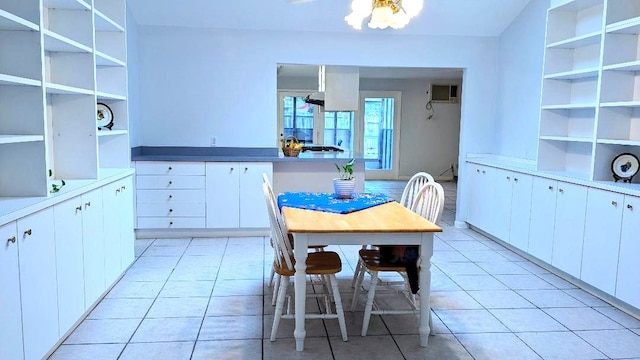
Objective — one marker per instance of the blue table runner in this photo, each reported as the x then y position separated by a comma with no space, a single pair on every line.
328,202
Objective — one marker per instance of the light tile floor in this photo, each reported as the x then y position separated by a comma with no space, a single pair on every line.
208,299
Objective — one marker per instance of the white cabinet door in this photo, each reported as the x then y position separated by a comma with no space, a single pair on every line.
602,239
69,262
93,246
10,311
222,195
568,234
481,191
520,210
543,203
112,258
500,205
234,194
253,211
628,286
125,213
38,283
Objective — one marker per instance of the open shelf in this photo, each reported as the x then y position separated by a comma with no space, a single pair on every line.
12,22
565,138
619,142
620,104
112,132
578,41
58,43
104,23
576,5
106,96
66,4
574,74
12,139
631,26
18,81
103,59
66,90
569,106
627,66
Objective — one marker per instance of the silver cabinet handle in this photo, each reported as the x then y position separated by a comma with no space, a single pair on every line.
27,232
87,204
508,177
79,208
561,190
614,203
515,179
12,240
550,187
629,206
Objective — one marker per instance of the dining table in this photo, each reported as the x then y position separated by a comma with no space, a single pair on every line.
388,223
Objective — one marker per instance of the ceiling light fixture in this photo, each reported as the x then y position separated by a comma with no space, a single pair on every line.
384,13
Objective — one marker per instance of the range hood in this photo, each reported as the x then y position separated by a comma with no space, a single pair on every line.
338,88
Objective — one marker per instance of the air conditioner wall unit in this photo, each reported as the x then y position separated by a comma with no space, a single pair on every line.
444,93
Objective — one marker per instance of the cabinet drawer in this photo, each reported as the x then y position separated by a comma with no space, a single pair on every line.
171,210
171,223
164,182
170,196
169,168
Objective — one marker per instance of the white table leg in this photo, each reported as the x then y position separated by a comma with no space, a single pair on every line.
426,251
300,242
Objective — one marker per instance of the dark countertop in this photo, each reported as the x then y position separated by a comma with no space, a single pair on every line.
186,153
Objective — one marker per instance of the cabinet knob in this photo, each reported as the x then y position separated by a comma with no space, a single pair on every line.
478,171
117,191
170,210
550,187
231,170
12,240
629,206
508,177
614,203
561,190
170,168
79,208
515,179
246,169
27,232
170,196
170,182
123,188
484,172
87,204
170,223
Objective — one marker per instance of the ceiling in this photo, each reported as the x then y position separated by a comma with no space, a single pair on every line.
439,17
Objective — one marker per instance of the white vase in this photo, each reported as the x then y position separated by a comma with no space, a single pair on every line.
344,188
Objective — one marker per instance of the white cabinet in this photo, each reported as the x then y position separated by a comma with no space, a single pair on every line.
69,262
170,194
628,286
38,283
118,228
234,193
543,205
602,239
522,185
501,204
590,102
10,311
481,191
568,230
93,246
59,59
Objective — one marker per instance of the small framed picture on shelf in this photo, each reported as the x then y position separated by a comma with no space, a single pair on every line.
105,117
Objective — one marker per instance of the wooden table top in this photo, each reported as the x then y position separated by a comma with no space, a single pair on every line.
389,217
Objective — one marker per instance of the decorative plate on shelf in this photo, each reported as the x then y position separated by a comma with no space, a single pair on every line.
105,117
624,167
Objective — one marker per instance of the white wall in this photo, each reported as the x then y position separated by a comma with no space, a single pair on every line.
425,145
520,58
198,83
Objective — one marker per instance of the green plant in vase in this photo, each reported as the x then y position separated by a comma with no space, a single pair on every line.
344,184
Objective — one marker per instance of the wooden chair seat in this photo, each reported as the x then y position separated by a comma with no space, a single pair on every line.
373,261
318,263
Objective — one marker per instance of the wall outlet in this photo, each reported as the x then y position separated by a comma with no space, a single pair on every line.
213,141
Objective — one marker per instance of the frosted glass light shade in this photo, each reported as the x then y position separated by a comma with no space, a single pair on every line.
412,7
381,18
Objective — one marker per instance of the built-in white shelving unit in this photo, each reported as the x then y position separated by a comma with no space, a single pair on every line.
590,110
59,59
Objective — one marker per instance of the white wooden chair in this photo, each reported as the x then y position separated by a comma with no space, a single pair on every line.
274,204
324,263
429,203
417,181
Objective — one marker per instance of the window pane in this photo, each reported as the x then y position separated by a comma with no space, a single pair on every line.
338,129
378,133
298,118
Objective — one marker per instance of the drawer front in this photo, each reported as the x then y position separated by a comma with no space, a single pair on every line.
165,182
171,210
169,168
170,196
171,223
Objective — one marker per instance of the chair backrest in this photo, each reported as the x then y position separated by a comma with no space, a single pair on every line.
414,185
429,202
283,251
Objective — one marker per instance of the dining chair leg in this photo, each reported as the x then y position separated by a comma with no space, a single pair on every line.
369,305
356,291
358,269
271,275
432,332
275,290
282,294
339,309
